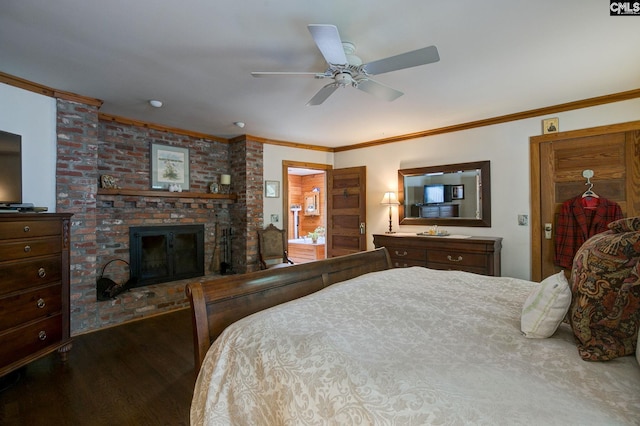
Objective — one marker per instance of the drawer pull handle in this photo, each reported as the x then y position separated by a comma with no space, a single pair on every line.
454,260
404,253
26,228
40,303
27,249
42,335
42,273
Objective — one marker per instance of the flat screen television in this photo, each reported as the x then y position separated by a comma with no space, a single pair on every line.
10,169
433,194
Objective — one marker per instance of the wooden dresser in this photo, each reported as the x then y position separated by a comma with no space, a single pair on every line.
34,287
480,255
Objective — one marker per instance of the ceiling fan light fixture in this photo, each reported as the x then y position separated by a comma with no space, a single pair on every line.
343,79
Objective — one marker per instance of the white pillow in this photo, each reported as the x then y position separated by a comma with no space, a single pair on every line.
546,307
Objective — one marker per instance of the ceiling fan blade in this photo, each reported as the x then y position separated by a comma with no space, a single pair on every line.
328,41
378,89
288,74
426,55
323,94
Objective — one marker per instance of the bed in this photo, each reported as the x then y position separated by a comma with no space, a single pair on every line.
373,345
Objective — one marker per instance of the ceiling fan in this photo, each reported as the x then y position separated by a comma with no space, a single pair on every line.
346,69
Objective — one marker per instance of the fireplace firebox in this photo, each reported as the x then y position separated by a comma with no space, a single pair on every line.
165,253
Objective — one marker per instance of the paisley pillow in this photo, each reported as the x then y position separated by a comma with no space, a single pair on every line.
605,307
626,224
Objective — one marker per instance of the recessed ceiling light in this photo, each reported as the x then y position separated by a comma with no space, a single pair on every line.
239,124
155,103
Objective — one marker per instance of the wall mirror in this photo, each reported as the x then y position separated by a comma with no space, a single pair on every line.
451,195
311,206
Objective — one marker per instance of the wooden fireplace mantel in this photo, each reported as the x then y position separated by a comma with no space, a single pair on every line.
165,194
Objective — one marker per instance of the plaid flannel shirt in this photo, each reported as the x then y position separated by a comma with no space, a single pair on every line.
576,224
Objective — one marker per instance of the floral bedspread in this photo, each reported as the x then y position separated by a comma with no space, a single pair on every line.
409,346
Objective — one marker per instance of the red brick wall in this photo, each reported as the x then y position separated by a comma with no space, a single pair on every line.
89,147
246,157
76,188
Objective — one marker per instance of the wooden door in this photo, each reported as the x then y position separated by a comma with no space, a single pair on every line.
557,165
346,211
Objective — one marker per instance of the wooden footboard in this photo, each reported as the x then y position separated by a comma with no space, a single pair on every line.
216,304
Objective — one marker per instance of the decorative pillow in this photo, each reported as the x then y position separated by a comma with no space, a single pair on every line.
546,307
605,309
625,225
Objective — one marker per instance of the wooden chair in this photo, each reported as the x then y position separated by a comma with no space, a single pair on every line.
272,247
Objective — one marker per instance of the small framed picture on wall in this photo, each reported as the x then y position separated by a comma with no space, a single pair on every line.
457,192
550,125
271,189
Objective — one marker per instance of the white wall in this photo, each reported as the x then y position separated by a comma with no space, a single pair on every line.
273,157
505,145
33,116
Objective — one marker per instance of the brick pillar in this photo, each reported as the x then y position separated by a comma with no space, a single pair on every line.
246,214
76,188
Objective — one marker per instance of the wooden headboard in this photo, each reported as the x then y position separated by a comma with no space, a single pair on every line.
217,303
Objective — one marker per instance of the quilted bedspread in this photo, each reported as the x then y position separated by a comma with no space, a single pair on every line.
409,346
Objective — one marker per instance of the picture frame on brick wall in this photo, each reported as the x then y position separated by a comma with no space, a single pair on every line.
169,166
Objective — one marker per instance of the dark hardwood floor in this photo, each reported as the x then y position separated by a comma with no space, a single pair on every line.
139,373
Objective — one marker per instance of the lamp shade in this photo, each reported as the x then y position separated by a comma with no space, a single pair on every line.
225,179
389,199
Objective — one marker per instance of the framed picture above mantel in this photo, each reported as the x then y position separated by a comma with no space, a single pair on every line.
169,166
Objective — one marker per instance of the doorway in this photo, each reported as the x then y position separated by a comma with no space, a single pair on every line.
305,209
557,165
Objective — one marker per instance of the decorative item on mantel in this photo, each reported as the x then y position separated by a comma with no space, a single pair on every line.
108,182
225,183
390,200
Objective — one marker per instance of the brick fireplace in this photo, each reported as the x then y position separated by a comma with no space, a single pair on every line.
92,144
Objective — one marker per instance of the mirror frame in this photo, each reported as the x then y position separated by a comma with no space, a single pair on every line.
311,209
485,170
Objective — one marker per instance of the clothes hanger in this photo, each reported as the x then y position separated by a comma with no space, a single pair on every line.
588,174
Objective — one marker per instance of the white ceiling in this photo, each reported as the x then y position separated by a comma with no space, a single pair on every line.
496,57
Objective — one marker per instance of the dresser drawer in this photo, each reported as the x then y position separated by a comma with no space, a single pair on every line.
29,229
20,249
480,255
24,274
457,259
407,253
20,342
464,268
28,306
405,263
